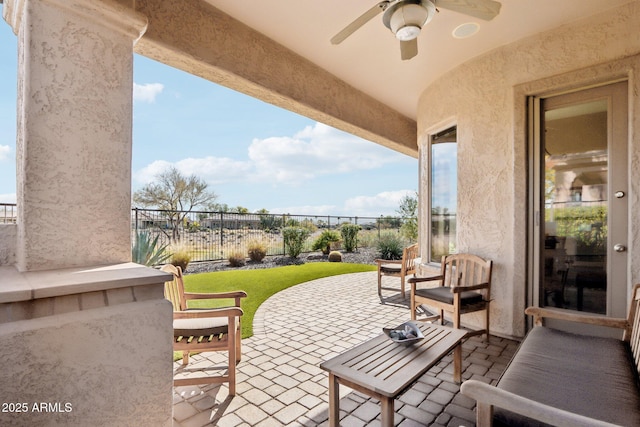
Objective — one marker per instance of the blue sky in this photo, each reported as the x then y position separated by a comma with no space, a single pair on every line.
251,153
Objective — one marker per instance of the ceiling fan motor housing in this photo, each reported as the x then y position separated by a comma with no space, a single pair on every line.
405,18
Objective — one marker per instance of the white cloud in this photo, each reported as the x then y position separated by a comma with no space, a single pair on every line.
147,92
315,151
8,198
306,210
385,203
4,152
214,170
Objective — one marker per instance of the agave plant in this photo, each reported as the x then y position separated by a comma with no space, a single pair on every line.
146,250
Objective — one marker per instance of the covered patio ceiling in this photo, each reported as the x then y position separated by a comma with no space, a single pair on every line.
369,60
280,52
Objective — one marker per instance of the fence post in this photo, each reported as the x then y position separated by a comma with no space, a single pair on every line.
221,235
284,246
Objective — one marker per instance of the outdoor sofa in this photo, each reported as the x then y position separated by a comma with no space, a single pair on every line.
566,379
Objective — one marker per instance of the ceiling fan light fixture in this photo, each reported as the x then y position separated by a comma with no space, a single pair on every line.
407,20
408,32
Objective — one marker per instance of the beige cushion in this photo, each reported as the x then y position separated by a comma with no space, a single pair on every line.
200,327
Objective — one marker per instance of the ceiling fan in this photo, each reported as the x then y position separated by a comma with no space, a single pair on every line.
405,18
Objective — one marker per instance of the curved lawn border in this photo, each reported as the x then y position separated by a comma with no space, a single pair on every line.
260,284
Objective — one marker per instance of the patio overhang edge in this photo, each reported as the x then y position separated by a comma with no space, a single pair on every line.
203,41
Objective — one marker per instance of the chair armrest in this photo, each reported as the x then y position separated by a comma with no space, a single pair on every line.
539,314
389,261
425,279
213,312
458,289
488,396
215,295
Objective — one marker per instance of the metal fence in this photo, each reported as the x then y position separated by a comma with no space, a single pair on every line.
8,213
211,236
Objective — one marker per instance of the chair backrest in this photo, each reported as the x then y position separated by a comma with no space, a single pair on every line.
409,255
466,270
174,289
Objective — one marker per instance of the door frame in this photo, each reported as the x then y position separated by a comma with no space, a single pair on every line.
617,122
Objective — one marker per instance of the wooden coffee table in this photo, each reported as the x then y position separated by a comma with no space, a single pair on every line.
384,369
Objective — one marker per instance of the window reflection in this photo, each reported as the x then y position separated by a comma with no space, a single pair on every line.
444,193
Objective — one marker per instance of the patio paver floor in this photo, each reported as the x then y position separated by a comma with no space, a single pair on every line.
279,379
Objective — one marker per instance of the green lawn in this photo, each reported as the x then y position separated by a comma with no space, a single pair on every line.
260,284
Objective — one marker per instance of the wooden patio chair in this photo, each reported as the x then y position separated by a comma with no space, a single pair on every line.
398,268
465,287
201,330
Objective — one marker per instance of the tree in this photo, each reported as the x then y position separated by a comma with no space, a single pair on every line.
176,194
408,210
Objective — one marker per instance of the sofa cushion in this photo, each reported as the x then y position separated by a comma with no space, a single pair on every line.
586,375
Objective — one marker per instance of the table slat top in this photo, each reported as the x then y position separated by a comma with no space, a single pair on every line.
387,367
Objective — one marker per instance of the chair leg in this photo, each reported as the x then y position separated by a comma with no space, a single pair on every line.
185,357
379,284
232,371
414,306
486,325
402,287
232,333
456,320
442,317
239,345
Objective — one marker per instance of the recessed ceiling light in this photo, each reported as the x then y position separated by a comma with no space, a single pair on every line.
466,30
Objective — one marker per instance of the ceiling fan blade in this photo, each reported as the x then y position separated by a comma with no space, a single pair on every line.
360,21
481,9
408,49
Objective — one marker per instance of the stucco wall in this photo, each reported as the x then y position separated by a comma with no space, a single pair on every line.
8,233
486,98
108,366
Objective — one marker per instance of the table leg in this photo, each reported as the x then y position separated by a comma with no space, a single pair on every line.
334,401
386,411
457,364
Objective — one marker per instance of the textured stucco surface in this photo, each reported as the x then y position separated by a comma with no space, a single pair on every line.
8,234
481,98
74,133
110,364
203,41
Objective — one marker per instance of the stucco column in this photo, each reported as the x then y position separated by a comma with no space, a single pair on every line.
75,77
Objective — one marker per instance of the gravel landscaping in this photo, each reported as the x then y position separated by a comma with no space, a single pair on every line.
359,256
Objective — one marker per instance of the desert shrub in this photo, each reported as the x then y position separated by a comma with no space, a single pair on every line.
390,246
324,241
236,259
349,234
146,250
368,239
294,238
335,256
181,258
257,250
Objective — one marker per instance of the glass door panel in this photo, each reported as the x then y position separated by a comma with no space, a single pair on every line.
583,220
576,165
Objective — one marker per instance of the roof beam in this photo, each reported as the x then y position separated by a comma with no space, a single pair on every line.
197,38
